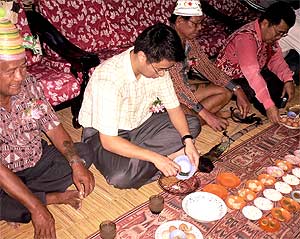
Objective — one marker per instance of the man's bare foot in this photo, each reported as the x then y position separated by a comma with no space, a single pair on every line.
70,197
223,114
14,225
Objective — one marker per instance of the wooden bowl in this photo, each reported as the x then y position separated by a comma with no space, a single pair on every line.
216,189
281,214
228,180
289,204
284,165
255,185
235,202
269,224
267,179
247,194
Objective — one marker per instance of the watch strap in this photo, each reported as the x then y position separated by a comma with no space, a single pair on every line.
187,136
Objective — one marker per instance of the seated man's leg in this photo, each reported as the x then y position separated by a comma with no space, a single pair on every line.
48,180
13,211
213,97
156,134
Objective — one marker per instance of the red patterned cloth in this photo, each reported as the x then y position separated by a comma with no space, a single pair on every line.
59,85
246,160
105,27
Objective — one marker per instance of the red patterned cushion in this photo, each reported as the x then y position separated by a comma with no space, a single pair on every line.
58,86
104,27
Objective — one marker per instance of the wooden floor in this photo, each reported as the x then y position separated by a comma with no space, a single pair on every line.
106,202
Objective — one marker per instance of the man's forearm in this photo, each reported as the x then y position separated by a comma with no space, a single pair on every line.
178,119
63,142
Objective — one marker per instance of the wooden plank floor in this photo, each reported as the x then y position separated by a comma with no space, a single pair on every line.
106,202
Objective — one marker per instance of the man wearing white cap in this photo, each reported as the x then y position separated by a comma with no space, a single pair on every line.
34,174
206,102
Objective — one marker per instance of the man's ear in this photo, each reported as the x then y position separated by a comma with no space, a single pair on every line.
142,57
179,21
265,24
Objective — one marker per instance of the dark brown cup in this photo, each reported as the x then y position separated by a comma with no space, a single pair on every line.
156,204
108,230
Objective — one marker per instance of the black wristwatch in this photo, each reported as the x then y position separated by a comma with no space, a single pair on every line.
187,136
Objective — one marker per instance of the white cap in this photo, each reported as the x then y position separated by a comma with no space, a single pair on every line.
190,8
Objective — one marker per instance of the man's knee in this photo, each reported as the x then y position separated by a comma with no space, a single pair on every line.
86,152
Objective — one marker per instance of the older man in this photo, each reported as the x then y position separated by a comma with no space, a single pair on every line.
34,174
254,46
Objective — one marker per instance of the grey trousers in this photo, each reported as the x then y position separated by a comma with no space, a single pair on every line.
51,174
157,134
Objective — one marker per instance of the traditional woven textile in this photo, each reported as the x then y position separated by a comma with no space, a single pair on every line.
246,160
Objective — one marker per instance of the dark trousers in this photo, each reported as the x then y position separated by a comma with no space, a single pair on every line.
274,85
52,173
157,134
293,60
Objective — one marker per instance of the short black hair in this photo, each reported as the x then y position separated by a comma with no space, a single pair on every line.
279,11
160,42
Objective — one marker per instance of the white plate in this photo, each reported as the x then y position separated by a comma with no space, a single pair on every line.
292,159
291,179
252,212
163,228
186,166
204,206
263,203
272,194
283,187
296,172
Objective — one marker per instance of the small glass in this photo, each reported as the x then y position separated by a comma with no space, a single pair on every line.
156,204
108,230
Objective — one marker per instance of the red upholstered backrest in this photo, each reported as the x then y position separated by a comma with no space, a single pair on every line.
24,29
105,27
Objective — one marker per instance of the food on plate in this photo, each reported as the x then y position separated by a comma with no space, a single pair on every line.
269,224
229,180
289,204
284,165
275,171
247,194
182,232
281,214
179,187
255,185
289,122
216,189
266,179
235,202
